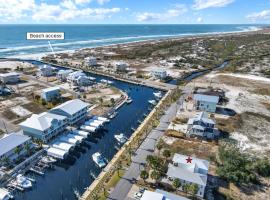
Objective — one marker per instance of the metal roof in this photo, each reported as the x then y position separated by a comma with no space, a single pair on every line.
181,159
51,89
206,98
71,107
149,195
170,196
11,141
9,74
42,121
186,174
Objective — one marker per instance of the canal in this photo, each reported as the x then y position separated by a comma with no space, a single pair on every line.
75,173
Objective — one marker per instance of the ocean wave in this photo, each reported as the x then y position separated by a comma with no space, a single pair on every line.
108,41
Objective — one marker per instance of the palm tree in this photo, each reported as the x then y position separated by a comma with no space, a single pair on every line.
5,160
130,152
17,150
144,175
176,183
39,142
155,175
160,145
27,148
118,167
193,189
166,153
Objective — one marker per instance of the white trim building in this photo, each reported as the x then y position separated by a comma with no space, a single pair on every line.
205,102
9,143
44,126
63,74
78,78
188,173
51,93
46,70
11,77
203,126
159,73
75,110
91,61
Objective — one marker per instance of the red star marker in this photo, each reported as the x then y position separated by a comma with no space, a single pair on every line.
189,159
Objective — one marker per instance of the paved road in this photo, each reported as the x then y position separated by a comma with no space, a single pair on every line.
147,148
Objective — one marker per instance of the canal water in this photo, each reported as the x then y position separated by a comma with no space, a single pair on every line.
61,182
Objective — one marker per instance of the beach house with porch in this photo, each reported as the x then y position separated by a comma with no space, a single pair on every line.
74,110
203,126
204,102
44,126
193,172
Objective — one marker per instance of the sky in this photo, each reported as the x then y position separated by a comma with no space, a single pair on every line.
134,11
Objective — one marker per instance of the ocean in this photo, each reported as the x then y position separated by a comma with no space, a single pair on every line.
13,42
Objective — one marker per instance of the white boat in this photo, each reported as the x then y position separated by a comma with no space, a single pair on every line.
153,102
129,100
121,138
23,182
5,195
48,159
106,81
99,160
113,115
158,94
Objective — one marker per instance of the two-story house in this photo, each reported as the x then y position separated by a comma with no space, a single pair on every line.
205,102
201,125
8,145
75,110
193,171
44,126
49,94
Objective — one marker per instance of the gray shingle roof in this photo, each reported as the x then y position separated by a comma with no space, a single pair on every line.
11,141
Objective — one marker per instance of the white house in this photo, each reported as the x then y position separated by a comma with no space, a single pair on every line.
121,66
51,93
201,125
78,78
63,74
9,143
91,61
205,102
46,70
160,195
193,172
44,126
159,73
75,110
11,77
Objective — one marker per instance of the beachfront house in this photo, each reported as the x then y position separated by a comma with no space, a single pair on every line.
11,77
159,73
44,126
189,170
78,78
160,195
46,70
75,110
201,125
205,102
63,74
121,66
12,147
50,94
91,61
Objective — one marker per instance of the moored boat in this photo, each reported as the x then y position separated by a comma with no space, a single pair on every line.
121,138
23,182
99,160
153,102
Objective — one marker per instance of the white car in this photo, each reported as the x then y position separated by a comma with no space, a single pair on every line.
138,195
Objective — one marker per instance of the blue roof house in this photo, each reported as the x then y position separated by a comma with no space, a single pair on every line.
50,94
206,103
